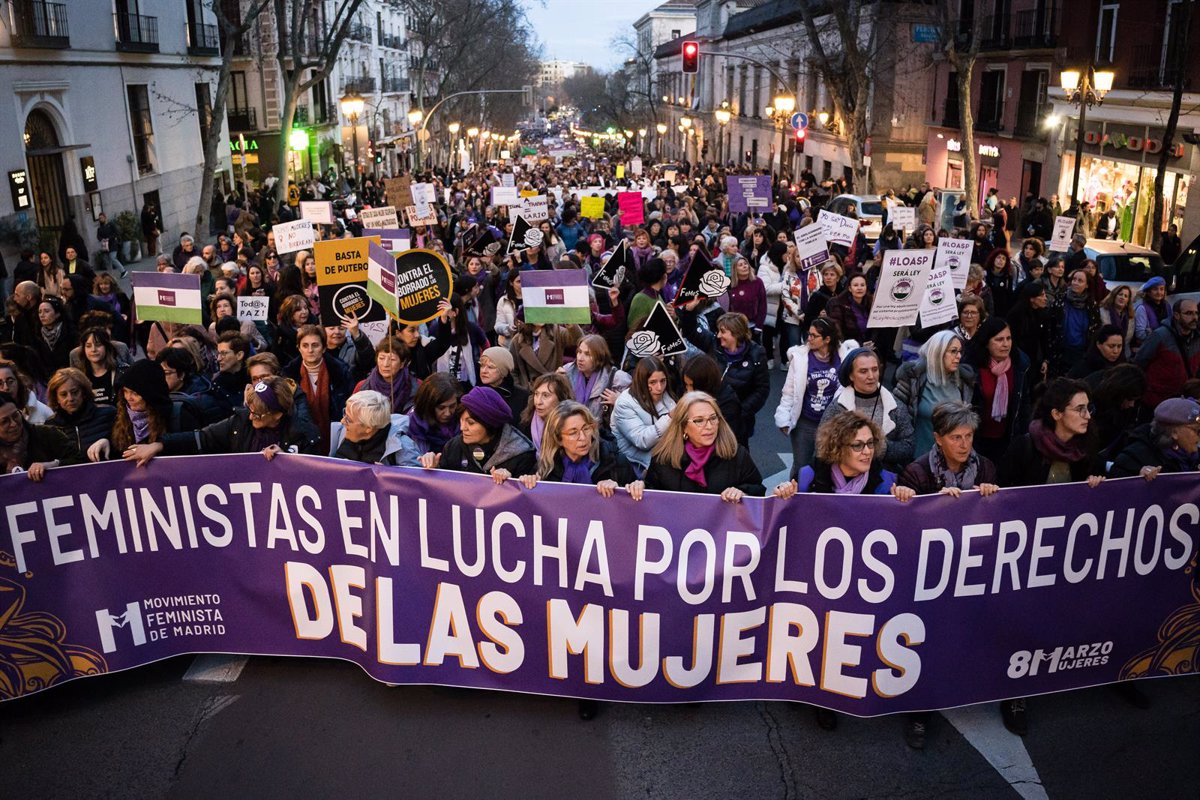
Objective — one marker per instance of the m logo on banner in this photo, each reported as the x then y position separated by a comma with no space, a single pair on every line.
106,621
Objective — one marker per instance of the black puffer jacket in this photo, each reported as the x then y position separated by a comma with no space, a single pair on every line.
513,452
611,467
1142,450
86,427
739,471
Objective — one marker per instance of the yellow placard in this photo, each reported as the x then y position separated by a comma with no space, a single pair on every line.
591,207
342,260
620,170
529,193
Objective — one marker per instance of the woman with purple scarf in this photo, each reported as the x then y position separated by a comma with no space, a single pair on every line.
432,422
391,376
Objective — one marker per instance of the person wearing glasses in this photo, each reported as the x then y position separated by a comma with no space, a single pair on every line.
1171,443
699,453
264,424
938,376
861,390
29,448
574,452
810,385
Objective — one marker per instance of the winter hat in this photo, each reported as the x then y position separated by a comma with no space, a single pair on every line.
1177,411
501,358
1155,281
848,364
147,379
776,253
487,406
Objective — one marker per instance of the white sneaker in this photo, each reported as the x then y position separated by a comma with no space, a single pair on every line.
783,366
770,363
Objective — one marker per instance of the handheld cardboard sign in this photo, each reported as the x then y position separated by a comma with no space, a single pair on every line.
613,271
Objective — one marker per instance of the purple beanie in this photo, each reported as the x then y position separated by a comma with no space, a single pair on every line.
487,406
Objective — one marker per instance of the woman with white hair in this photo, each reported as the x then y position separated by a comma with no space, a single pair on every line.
371,434
938,376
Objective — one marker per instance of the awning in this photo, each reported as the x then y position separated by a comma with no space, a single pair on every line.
53,151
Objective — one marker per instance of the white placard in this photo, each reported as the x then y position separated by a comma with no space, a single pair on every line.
955,256
424,199
318,212
291,237
838,229
938,305
382,217
901,288
1060,242
535,209
635,166
253,308
903,218
505,196
508,179
415,217
811,248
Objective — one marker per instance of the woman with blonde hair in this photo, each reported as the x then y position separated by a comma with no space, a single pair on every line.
574,452
699,453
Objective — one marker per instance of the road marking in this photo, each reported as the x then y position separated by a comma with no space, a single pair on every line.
981,726
215,669
771,481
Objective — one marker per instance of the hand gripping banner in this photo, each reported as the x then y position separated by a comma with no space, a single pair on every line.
860,604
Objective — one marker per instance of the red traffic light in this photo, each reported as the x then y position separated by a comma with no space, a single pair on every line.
801,134
691,57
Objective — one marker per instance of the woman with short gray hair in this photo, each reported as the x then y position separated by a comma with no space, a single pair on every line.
371,434
951,465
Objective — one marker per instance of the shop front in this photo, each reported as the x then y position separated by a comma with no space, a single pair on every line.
999,163
1118,170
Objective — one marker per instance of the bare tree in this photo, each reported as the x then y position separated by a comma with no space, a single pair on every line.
1177,57
639,69
959,41
308,46
230,31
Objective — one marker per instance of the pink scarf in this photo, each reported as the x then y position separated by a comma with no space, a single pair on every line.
699,457
1000,399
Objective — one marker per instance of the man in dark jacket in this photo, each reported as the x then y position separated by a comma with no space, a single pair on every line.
1170,355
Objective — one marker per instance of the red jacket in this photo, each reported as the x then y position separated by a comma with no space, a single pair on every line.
1169,361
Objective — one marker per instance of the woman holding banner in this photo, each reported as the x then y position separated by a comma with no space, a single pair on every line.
488,443
574,452
145,413
642,412
999,397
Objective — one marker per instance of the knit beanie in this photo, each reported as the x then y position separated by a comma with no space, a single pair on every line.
501,358
147,379
487,406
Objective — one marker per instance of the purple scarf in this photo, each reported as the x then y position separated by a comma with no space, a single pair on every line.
844,485
699,457
736,355
583,386
430,438
576,471
860,316
537,429
141,425
398,390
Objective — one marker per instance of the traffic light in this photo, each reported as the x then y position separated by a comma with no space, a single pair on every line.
801,138
691,57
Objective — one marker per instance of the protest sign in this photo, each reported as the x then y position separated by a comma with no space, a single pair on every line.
703,278
536,208
749,192
811,248
901,288
659,335
505,196
1060,242
253,307
614,269
838,229
381,217
292,237
903,218
317,212
938,305
523,235
420,215
528,193
167,297
424,198
591,207
669,175
955,255
630,204
508,180
394,240
423,279
620,171
342,284
381,277
635,166
441,577
398,191
556,295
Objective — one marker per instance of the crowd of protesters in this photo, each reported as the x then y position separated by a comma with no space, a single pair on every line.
1046,376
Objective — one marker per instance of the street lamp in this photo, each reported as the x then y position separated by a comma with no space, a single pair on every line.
414,120
823,118
352,104
1084,88
661,128
723,116
454,128
472,135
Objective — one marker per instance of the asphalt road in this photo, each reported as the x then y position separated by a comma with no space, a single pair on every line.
308,728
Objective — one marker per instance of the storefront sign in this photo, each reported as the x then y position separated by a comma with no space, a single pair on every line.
1133,140
18,184
985,150
87,166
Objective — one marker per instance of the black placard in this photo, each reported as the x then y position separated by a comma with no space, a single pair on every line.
423,279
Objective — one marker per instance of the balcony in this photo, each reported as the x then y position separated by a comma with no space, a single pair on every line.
1150,68
317,116
394,85
1037,29
1031,112
995,33
950,110
40,24
992,123
363,85
136,33
203,40
242,120
359,33
394,42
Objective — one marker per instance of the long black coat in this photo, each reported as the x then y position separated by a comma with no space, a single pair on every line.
739,471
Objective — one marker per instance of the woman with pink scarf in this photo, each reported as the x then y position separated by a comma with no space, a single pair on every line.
1000,391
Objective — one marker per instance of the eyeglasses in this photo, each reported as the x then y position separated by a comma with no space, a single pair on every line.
858,447
1084,409
705,422
582,433
255,415
8,381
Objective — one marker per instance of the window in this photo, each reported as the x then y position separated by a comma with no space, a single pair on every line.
142,125
1106,32
237,90
991,100
204,110
676,33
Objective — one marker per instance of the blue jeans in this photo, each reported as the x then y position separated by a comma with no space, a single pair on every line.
790,336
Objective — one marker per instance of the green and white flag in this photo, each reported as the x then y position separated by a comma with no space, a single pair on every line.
167,297
381,278
556,296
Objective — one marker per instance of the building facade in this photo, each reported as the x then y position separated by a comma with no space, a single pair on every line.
551,74
107,110
667,22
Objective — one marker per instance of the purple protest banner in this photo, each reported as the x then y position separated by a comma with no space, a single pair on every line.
749,193
860,604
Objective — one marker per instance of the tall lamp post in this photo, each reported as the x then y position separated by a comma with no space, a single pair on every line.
661,128
642,140
414,119
471,134
1084,88
723,116
352,105
685,125
785,104
454,128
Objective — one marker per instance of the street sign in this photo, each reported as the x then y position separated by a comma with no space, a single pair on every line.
799,120
925,34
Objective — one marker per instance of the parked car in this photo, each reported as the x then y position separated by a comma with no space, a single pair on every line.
1187,271
1125,264
868,208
